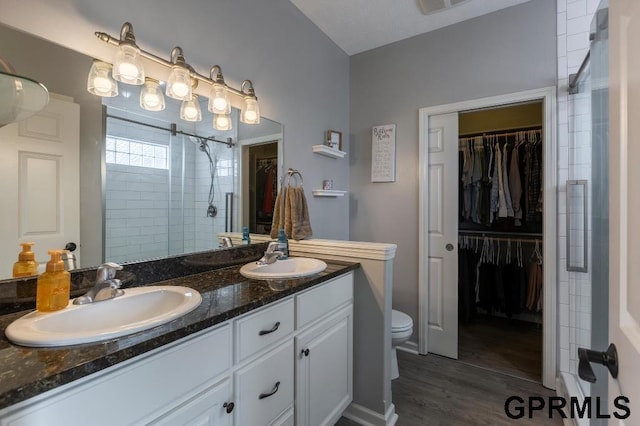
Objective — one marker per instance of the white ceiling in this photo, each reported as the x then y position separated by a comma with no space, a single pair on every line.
360,25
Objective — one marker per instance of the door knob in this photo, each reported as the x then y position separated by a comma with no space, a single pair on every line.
586,356
449,247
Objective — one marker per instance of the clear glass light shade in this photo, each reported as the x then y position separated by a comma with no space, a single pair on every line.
179,83
250,113
127,67
190,110
219,100
222,122
151,97
20,97
99,82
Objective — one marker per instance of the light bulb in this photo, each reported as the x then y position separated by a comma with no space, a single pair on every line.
179,83
151,97
102,86
250,115
99,82
218,100
127,66
220,104
180,89
222,122
190,110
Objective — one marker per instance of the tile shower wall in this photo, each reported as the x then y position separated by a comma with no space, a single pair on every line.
136,201
574,162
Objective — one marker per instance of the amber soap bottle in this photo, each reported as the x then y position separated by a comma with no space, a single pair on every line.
26,265
54,285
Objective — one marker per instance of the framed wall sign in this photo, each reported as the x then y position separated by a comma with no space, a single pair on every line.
383,153
334,139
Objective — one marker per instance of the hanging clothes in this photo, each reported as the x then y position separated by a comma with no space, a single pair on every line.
492,278
501,180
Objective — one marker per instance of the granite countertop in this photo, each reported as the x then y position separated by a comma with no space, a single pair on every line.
26,372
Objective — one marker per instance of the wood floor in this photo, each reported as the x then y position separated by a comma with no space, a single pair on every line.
434,390
497,359
497,344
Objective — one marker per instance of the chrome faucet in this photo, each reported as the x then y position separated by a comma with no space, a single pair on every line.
107,286
225,242
272,254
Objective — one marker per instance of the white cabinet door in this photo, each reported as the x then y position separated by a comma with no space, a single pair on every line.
212,407
324,370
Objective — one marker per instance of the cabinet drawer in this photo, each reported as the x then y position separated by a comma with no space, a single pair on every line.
323,299
265,387
257,331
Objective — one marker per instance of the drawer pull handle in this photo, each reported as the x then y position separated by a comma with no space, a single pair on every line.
268,394
275,327
305,352
229,407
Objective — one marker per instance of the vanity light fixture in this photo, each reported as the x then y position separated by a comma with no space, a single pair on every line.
179,82
222,122
190,110
151,97
100,82
219,100
250,113
127,66
182,80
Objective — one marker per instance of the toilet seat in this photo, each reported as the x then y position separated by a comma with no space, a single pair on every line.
400,322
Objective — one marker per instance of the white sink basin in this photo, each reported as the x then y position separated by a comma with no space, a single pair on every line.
140,308
294,267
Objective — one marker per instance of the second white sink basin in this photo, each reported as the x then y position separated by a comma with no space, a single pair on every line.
294,267
140,308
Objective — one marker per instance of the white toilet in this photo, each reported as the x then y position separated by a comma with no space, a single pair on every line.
401,330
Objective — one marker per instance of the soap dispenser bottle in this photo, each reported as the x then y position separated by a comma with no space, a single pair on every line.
26,265
246,238
283,244
54,285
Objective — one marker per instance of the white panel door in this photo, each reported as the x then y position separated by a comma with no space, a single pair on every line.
443,235
624,174
39,163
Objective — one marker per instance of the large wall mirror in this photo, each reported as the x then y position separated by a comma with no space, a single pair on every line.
144,191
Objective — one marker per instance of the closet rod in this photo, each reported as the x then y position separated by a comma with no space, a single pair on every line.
503,233
507,132
514,239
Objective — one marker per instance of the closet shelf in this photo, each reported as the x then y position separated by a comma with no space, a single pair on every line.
327,151
328,193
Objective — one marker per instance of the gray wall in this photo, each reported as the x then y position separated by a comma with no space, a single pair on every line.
301,77
507,51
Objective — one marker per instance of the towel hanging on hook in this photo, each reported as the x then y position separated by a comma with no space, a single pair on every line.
291,212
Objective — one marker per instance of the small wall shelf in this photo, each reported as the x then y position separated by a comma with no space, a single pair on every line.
328,193
327,151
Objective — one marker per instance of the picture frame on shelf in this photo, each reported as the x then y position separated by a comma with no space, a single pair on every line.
334,139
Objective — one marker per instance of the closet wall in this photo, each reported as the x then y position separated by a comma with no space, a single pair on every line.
500,213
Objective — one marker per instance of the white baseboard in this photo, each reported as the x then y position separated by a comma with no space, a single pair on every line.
410,347
366,417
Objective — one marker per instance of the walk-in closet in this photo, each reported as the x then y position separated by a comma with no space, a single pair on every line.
263,186
500,236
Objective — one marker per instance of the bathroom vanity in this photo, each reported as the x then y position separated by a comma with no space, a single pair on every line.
248,355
